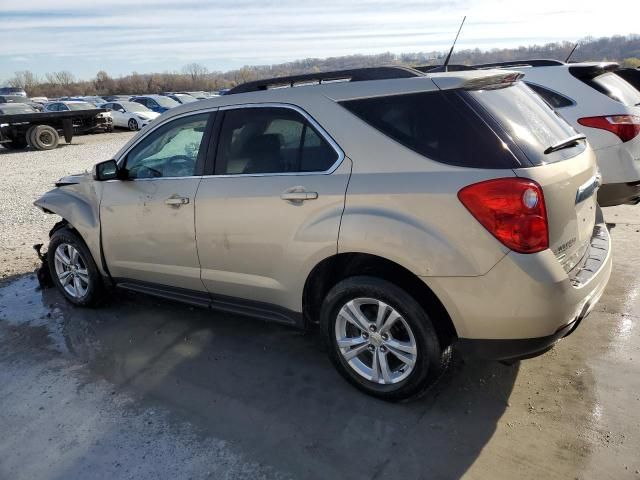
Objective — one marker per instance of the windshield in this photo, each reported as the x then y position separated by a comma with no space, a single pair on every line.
616,88
80,106
16,108
529,121
166,102
134,107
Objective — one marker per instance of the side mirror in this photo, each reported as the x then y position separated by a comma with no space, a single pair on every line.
107,170
122,110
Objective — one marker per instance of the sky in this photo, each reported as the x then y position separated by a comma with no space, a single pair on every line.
121,36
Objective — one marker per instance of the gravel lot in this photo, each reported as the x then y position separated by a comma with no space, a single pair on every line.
145,389
28,174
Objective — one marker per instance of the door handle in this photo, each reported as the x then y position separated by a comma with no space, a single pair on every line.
298,196
176,201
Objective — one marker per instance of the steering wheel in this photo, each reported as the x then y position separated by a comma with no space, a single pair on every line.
179,166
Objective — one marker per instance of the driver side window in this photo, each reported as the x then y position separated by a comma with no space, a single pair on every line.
170,151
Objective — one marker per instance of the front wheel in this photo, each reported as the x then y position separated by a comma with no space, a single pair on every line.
133,125
381,340
73,270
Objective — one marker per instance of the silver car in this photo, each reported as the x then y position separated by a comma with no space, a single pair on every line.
402,213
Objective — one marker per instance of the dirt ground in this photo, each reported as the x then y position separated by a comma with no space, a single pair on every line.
148,389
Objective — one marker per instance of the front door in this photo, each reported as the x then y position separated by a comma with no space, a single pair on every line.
148,231
272,210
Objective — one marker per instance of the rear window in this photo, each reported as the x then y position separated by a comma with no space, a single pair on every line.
529,122
630,75
615,88
438,125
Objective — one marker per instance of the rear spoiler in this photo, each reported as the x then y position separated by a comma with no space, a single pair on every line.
476,79
590,71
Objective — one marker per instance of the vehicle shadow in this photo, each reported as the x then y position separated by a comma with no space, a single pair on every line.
271,392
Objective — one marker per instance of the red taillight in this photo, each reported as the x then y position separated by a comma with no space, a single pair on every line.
626,127
513,211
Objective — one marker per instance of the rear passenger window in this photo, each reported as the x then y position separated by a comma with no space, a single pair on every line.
554,99
438,125
271,140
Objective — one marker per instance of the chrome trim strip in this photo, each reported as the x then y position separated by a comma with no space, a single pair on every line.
309,118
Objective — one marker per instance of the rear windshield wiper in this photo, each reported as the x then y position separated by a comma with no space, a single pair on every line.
566,143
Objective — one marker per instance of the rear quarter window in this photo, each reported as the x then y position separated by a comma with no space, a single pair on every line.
554,99
438,125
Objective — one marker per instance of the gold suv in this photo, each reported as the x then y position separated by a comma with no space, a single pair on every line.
401,212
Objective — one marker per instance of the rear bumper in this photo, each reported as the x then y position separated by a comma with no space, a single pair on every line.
526,303
612,194
514,349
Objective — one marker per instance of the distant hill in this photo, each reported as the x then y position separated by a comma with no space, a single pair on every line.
624,49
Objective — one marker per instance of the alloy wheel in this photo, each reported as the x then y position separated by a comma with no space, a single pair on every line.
71,270
375,341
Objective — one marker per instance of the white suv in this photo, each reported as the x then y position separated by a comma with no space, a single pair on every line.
603,106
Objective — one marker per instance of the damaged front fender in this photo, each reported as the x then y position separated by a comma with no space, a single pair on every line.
76,201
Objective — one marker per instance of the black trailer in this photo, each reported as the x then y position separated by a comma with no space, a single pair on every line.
42,130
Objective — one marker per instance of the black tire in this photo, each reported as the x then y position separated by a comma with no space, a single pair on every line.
44,137
29,135
133,124
95,288
431,357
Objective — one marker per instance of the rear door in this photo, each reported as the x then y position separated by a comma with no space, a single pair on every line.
272,208
567,173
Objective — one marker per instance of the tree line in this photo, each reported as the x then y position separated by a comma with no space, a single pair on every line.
194,76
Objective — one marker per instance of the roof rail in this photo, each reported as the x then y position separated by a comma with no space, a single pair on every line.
521,63
443,68
352,75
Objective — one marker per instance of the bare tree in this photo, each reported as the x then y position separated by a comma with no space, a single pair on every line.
25,79
197,73
104,84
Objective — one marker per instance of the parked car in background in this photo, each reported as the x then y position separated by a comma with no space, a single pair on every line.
131,115
197,95
17,91
599,104
631,75
302,218
94,100
182,98
68,105
72,105
117,98
157,103
40,100
12,99
16,108
36,105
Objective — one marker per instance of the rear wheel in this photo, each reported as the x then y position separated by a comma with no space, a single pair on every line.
44,137
381,340
29,136
133,124
72,268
